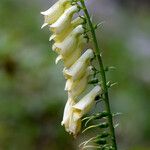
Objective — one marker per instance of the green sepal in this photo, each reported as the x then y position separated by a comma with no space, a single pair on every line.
100,141
110,84
104,134
95,117
101,125
104,125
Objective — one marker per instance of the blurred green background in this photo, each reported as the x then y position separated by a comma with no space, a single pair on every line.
32,94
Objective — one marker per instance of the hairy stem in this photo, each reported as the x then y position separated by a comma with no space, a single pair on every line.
103,75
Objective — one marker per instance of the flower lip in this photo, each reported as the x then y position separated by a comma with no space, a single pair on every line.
64,21
67,111
83,106
54,7
53,13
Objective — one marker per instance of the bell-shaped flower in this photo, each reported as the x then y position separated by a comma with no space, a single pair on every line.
70,43
70,60
85,104
64,20
61,36
77,70
75,88
54,12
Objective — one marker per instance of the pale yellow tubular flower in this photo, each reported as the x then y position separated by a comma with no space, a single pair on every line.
70,60
70,43
80,85
60,37
76,54
72,85
85,104
54,12
78,69
80,109
64,20
67,113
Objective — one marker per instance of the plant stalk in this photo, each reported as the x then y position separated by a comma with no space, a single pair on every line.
103,76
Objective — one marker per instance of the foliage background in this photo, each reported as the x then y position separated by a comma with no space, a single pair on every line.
31,85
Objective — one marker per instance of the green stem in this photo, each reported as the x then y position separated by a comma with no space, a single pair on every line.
103,76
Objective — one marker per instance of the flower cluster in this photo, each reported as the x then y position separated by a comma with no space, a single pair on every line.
68,34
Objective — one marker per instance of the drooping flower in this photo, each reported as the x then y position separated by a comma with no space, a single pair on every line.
85,104
76,111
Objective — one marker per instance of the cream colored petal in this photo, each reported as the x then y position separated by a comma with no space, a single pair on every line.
80,85
70,84
79,67
52,37
77,21
61,36
67,112
74,125
67,46
45,24
69,61
54,12
64,20
58,59
70,43
75,88
85,104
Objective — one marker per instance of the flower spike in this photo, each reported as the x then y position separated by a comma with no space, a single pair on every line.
71,31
